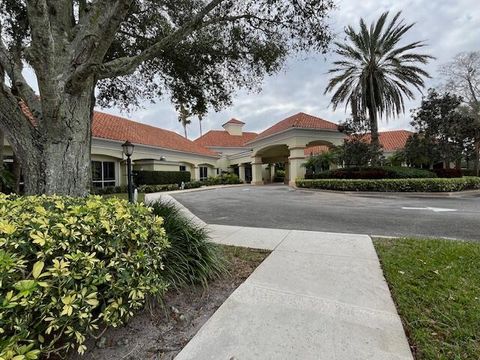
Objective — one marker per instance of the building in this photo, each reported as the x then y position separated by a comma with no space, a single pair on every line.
252,156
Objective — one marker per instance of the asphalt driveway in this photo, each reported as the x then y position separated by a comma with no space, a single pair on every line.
277,206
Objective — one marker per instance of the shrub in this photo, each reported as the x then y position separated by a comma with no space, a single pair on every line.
147,189
110,190
191,258
386,172
448,173
469,172
161,177
224,179
193,185
401,185
68,265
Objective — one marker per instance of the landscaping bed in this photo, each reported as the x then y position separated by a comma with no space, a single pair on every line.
162,331
71,267
436,287
393,185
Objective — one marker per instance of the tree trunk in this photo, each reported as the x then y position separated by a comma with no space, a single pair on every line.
58,161
372,112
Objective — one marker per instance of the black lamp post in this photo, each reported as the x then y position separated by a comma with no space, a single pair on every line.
128,151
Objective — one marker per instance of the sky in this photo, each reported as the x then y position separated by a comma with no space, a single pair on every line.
447,26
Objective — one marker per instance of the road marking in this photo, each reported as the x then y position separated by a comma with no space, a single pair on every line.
429,209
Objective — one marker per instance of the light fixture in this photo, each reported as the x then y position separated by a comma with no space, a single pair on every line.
128,148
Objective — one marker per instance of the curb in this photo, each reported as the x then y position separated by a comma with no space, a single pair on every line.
183,210
394,193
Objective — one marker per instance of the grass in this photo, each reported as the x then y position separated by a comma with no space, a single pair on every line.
141,196
436,286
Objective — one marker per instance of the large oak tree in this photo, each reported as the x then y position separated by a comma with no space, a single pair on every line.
117,52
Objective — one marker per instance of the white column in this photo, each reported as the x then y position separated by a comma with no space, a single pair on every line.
296,159
241,172
257,170
272,173
196,173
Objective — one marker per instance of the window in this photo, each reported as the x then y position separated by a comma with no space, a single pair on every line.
183,168
203,172
103,174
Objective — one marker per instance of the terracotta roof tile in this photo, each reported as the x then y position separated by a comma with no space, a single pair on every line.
315,150
222,138
234,121
300,120
113,127
390,140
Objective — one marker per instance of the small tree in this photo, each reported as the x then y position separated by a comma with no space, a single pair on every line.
462,77
184,118
321,162
445,128
421,152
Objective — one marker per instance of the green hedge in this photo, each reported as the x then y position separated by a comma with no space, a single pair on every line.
161,177
110,190
69,266
400,185
385,172
225,179
147,189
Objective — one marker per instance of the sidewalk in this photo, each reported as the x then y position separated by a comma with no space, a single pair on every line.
317,296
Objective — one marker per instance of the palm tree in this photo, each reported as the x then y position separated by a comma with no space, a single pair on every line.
374,72
183,118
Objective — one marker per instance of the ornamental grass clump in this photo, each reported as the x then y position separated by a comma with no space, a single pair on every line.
71,266
191,257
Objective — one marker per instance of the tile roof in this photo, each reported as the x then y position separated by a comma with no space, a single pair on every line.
222,138
300,120
234,121
315,150
390,140
113,127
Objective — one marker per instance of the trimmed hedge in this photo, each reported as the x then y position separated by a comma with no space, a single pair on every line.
448,173
147,189
385,172
110,190
161,177
225,179
393,185
69,266
469,172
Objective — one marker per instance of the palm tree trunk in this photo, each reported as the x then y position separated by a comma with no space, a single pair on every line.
185,130
372,112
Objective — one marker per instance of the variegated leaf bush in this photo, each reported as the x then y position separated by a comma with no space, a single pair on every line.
71,266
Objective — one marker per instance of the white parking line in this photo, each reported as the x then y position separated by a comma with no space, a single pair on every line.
429,209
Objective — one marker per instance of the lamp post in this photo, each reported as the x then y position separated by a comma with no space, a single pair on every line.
128,151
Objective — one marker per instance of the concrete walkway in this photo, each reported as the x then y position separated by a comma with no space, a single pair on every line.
317,296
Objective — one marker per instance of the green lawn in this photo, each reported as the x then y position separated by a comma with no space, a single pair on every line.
436,286
141,196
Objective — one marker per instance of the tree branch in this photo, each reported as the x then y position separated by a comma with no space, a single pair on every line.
127,65
13,69
41,53
94,34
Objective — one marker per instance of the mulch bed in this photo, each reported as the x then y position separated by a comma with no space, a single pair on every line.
161,331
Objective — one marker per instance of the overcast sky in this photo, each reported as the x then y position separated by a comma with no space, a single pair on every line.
448,26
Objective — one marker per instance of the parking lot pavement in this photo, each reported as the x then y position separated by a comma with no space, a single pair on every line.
432,215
